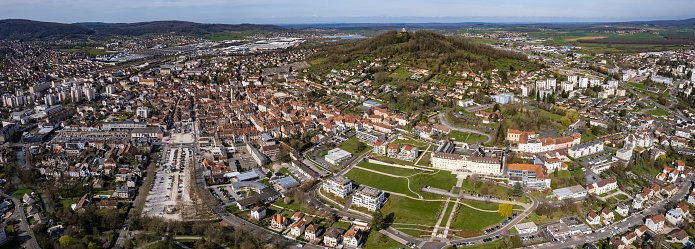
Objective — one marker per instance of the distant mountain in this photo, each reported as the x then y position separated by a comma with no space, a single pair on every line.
19,29
664,23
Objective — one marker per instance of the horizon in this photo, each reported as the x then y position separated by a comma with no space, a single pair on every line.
302,12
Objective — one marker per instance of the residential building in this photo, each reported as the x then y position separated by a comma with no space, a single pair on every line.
297,228
593,218
352,238
338,185
603,186
258,212
369,136
572,192
279,222
312,232
528,175
586,149
607,215
369,197
655,222
674,216
622,210
628,238
333,236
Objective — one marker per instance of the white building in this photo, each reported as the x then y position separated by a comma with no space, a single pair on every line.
570,192
143,112
527,227
337,156
603,186
586,149
338,185
371,198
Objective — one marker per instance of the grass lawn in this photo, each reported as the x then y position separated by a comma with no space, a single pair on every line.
447,212
411,211
621,197
294,205
465,137
341,225
411,141
387,183
20,193
658,112
388,169
349,146
393,160
471,219
375,240
424,159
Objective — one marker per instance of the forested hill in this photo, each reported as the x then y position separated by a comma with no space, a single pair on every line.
28,30
421,45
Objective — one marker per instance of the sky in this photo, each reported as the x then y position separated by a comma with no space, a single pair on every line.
341,11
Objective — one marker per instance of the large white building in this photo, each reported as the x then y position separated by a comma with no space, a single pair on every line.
480,162
337,156
338,185
586,149
368,197
603,186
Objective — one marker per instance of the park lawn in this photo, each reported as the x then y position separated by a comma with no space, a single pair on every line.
499,191
388,169
392,160
447,212
442,179
349,146
658,112
424,160
621,197
294,205
411,141
483,205
20,193
470,219
386,183
460,136
375,240
411,211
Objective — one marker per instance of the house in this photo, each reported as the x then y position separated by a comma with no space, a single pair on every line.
607,215
279,222
593,218
683,208
28,199
640,230
655,222
622,210
39,218
678,236
107,204
333,236
297,228
258,212
297,217
312,232
526,227
669,189
352,238
679,165
628,238
674,216
603,186
31,210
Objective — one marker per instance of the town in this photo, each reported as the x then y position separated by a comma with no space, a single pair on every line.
275,141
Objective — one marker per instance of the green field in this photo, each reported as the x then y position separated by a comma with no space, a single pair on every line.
349,146
412,211
471,219
465,137
410,141
375,240
443,180
388,169
658,112
20,193
387,183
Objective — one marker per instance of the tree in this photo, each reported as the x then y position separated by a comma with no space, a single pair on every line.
359,146
518,190
377,220
66,241
505,209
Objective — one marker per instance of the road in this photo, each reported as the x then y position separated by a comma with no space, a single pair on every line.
626,224
656,105
444,121
24,233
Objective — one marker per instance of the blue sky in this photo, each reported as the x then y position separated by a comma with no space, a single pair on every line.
340,11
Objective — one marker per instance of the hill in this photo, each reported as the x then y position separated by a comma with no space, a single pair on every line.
18,29
424,49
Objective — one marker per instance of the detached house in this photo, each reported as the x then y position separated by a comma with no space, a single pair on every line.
628,238
607,215
352,238
258,213
603,186
297,228
333,237
593,218
279,222
655,222
312,232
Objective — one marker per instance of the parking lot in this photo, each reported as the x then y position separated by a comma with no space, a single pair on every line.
244,158
169,186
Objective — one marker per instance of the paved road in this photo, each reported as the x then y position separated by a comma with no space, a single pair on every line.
444,121
25,234
657,105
